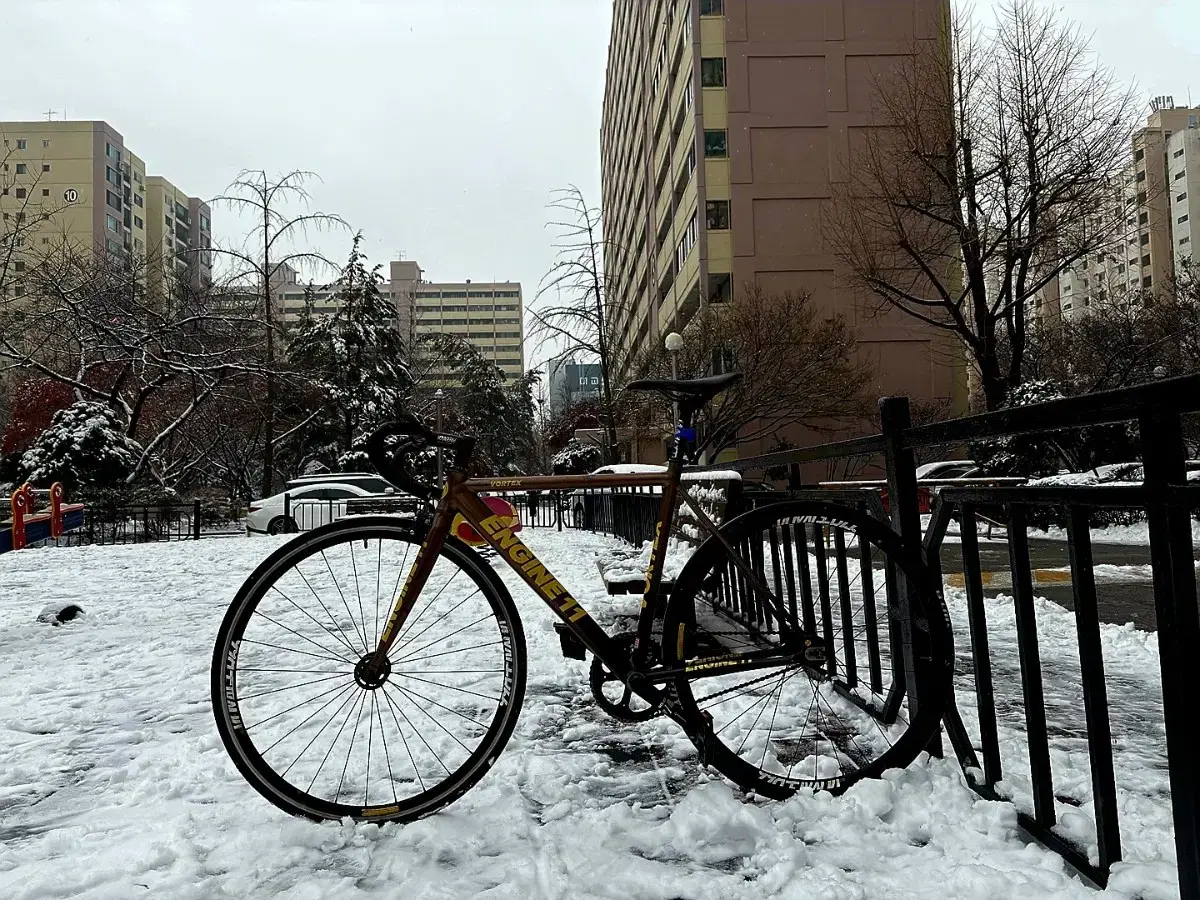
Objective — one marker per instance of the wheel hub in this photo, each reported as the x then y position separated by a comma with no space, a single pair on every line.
367,678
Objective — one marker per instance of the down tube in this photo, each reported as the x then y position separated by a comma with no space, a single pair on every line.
522,560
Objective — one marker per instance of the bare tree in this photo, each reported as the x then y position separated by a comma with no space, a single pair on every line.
1001,166
573,309
269,248
103,327
799,368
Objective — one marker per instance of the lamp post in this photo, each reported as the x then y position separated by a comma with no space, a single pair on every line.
437,397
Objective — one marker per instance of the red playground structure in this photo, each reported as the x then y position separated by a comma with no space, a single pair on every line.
28,525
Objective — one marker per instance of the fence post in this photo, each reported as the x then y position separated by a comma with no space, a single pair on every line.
558,509
1163,457
196,519
287,512
896,418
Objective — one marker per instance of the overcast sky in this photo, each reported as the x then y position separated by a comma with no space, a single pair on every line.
438,127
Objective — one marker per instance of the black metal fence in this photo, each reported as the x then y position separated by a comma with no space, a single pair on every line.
1166,498
150,523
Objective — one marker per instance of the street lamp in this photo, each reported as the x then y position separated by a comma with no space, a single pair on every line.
437,397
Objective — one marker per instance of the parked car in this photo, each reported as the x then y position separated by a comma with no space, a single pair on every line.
312,504
947,468
369,481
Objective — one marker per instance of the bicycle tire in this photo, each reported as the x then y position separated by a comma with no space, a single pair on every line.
704,590
228,696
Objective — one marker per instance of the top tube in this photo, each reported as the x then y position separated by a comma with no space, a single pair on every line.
562,482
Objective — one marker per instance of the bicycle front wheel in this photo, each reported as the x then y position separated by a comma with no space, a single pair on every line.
304,723
835,574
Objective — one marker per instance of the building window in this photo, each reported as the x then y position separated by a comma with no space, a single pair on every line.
712,72
1178,153
1178,174
1120,268
138,222
138,201
1140,155
1182,219
45,167
1145,239
112,223
1141,176
1146,260
204,226
22,143
112,199
1193,121
22,168
1181,197
1186,239
110,175
712,7
19,266
716,215
1148,281
716,143
112,152
1143,218
20,193
46,143
45,192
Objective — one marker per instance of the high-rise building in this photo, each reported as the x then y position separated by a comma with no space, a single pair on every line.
571,382
725,127
88,191
1150,223
488,315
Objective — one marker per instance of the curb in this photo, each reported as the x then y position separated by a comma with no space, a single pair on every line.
1004,579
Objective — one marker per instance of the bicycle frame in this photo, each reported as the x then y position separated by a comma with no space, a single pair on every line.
461,496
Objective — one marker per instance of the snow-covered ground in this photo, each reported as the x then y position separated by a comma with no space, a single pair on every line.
114,784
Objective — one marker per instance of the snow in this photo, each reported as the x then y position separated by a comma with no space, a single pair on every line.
114,784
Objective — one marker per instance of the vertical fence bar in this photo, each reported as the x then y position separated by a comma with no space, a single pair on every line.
896,418
1031,669
777,571
1095,692
871,626
1178,635
847,609
800,532
196,519
823,594
789,574
762,608
985,698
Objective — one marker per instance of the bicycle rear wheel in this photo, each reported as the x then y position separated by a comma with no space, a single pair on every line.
821,726
303,721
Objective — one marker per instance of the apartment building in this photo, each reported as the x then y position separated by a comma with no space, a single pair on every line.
1150,223
87,191
726,125
489,315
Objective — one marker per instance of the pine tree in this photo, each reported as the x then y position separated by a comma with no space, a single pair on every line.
85,447
498,412
356,358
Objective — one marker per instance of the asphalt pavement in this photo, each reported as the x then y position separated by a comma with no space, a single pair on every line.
1123,594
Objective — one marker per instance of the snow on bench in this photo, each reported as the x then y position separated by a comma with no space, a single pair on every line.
624,571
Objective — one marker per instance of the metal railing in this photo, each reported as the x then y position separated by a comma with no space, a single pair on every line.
1167,500
146,523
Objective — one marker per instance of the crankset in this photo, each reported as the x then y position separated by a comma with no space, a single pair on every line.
614,696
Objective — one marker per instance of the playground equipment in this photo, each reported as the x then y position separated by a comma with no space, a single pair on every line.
28,525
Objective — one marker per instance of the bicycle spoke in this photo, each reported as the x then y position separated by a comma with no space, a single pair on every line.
370,736
292,687
303,638
346,605
333,744
341,638
410,659
291,708
407,691
400,645
400,731
417,731
340,659
348,698
328,612
358,591
387,754
450,687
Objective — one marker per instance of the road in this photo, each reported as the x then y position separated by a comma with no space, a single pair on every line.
1123,594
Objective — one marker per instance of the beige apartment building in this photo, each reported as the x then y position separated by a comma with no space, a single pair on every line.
85,190
1150,223
489,315
725,129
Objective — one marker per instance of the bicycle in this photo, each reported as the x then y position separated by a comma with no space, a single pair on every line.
758,594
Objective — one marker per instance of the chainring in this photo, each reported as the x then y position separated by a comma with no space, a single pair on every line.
630,707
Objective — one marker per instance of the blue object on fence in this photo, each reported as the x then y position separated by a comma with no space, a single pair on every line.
686,434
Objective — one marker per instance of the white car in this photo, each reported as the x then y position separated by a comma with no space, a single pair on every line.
947,468
311,505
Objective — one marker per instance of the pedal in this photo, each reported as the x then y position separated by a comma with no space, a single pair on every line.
572,647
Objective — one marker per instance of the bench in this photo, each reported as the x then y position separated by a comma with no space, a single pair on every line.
623,571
